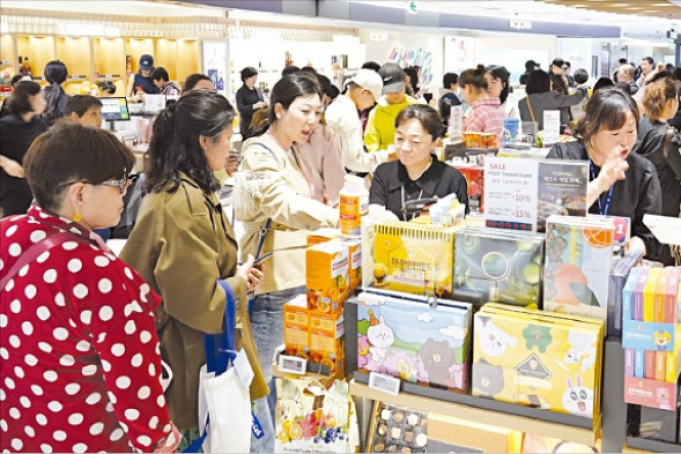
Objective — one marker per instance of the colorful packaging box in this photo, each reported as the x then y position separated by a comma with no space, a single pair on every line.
322,236
407,338
327,268
562,190
327,340
414,258
475,179
539,359
498,266
296,327
355,271
310,418
398,429
579,255
472,139
454,435
622,228
618,279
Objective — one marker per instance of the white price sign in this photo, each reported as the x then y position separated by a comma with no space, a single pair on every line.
511,186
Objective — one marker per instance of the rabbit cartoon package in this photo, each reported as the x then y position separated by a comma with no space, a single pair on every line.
539,359
408,338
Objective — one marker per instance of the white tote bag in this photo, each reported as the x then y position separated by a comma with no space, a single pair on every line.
224,401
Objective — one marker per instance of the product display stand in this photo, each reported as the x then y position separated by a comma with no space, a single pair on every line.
613,423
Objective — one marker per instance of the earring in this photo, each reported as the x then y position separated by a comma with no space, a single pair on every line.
77,218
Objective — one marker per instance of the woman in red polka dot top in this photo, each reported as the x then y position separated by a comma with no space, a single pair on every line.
80,357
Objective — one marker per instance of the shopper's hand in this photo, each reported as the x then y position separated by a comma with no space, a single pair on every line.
250,273
232,164
12,168
259,105
170,443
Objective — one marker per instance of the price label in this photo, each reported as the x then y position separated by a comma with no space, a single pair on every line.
384,383
292,364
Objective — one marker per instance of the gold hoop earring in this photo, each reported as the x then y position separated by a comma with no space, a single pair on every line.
77,218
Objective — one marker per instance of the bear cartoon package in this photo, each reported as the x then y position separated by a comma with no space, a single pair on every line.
408,338
539,359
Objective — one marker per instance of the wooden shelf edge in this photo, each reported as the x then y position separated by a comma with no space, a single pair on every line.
279,374
513,422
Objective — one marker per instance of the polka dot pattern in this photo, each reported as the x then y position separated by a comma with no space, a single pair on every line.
59,309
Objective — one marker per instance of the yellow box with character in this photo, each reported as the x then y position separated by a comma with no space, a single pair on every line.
327,275
539,359
414,258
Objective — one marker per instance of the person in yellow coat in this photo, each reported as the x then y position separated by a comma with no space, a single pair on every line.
380,130
183,243
273,200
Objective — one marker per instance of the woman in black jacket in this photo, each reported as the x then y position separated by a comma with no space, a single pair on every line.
249,98
661,144
17,132
622,183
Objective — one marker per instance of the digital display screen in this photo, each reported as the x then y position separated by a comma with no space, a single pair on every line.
115,109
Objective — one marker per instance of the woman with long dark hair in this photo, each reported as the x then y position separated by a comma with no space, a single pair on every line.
499,85
55,74
273,199
17,132
183,245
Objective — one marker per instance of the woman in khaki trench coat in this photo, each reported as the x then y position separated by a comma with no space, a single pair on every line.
276,184
183,243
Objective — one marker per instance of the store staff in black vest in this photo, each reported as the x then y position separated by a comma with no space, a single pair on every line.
249,98
141,82
418,174
622,183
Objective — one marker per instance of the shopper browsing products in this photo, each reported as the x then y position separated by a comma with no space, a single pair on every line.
418,175
85,110
363,91
141,82
541,98
249,99
163,84
622,183
183,243
485,113
380,130
17,132
55,96
80,366
273,200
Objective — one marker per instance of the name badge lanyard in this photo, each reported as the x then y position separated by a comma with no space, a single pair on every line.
404,203
602,210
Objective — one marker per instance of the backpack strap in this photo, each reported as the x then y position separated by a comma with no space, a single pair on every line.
36,250
529,106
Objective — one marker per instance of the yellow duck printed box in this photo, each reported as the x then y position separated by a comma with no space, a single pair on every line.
539,359
414,258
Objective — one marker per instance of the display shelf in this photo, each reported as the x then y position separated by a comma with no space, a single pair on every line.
76,54
188,59
109,58
136,47
39,49
652,445
318,376
166,56
8,56
534,425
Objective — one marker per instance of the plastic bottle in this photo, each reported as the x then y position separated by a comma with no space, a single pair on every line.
354,203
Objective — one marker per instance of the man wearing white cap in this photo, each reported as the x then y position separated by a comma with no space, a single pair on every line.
363,91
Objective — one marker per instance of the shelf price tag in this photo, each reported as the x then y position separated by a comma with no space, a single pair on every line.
384,383
292,364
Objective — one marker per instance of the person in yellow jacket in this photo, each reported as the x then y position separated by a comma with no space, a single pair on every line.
380,130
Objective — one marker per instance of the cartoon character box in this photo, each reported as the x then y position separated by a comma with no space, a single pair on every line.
543,360
418,342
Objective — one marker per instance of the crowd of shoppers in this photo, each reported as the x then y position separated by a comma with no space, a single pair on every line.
95,342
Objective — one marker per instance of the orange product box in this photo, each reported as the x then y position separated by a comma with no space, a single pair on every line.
327,275
297,327
472,139
327,339
489,140
322,236
355,270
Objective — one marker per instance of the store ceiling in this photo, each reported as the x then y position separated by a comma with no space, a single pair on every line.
660,8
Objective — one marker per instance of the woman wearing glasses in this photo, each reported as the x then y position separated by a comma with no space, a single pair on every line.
418,174
183,244
77,334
